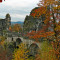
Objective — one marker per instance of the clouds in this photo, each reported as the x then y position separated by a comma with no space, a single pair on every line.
20,3
18,9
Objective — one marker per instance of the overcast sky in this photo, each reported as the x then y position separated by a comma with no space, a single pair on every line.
18,9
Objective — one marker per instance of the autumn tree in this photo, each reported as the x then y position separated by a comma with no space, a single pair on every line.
2,40
51,27
21,53
15,28
10,28
47,52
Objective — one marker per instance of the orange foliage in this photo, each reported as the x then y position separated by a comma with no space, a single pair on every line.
39,34
38,12
10,28
49,21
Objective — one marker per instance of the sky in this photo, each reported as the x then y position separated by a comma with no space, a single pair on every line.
18,9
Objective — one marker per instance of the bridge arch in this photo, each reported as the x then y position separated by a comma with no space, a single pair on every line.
18,41
33,48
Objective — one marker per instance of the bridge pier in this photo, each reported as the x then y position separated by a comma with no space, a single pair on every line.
33,49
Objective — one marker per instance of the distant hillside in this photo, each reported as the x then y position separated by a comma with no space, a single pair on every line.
18,22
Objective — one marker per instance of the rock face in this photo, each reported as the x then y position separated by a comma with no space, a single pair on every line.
8,20
4,24
29,24
33,23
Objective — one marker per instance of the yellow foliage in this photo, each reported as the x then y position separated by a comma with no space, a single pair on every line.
58,7
57,27
21,53
47,52
2,40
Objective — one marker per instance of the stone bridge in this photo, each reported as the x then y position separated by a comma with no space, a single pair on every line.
32,45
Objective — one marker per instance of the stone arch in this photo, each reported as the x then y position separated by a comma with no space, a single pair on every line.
33,48
18,41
